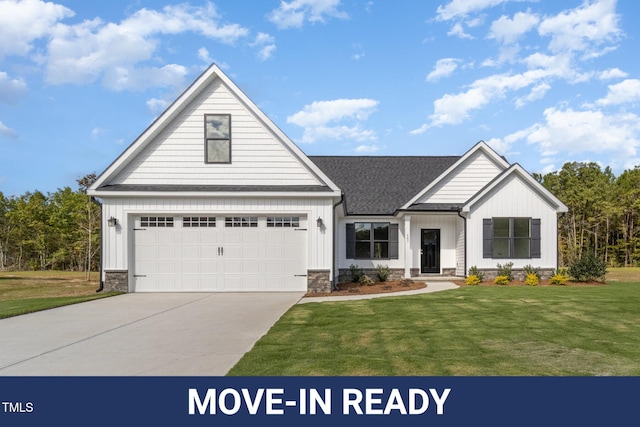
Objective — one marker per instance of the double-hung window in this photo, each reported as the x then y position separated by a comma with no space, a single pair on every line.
217,138
516,238
372,240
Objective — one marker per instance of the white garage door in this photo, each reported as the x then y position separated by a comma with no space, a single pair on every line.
214,253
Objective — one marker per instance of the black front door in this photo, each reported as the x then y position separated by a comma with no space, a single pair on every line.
430,259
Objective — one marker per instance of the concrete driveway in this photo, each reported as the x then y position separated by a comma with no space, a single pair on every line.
185,334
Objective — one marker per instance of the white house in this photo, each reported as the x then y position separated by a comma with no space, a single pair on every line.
212,196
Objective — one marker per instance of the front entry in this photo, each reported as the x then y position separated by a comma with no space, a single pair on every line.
430,250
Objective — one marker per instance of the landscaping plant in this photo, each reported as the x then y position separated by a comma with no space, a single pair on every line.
472,280
475,271
532,279
501,280
588,268
506,270
382,272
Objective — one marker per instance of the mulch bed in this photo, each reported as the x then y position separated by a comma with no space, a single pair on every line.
521,283
350,288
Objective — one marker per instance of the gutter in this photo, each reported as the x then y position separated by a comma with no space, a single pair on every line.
101,288
459,212
336,271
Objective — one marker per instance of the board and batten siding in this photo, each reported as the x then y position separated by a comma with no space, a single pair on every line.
176,154
513,199
118,241
450,227
464,181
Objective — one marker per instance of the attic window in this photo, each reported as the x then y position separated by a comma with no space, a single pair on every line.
217,138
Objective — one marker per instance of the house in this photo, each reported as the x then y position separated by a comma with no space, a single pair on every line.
213,196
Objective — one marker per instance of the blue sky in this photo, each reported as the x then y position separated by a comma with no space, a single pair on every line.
542,82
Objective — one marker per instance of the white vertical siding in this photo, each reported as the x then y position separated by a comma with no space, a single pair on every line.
176,155
514,198
460,247
341,243
447,224
118,249
465,181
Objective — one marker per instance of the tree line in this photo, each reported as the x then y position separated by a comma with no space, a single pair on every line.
62,230
604,213
59,231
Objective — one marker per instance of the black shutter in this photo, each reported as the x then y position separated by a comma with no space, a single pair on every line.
487,238
535,238
393,241
351,241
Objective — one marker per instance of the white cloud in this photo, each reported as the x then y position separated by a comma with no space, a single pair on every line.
203,54
316,117
11,90
444,67
157,105
579,132
22,22
92,50
538,92
96,132
266,46
507,30
367,148
612,73
296,12
7,131
582,28
626,91
461,8
458,31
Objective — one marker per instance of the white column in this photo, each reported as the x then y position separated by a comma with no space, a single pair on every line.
407,247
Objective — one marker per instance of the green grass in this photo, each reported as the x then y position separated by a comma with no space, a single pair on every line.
26,292
471,331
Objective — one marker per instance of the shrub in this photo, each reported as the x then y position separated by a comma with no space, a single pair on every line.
529,269
501,280
472,280
356,273
474,271
506,270
382,271
365,280
558,279
532,279
587,268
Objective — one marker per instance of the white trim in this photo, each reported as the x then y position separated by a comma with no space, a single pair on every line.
480,146
206,78
209,194
527,178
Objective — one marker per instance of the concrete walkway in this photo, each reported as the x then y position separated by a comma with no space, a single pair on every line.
432,286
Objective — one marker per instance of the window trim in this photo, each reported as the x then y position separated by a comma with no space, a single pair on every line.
372,240
207,139
490,238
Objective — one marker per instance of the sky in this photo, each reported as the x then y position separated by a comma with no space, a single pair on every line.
542,82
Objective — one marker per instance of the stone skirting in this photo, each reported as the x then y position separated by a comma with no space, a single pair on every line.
318,281
344,274
116,281
448,272
518,274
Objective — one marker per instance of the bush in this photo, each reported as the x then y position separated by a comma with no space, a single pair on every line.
356,273
472,280
532,279
501,280
529,269
365,280
382,271
474,271
559,279
588,268
506,270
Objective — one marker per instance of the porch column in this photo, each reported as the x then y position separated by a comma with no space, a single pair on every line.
407,247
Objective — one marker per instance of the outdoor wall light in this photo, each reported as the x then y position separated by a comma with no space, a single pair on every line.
112,222
319,222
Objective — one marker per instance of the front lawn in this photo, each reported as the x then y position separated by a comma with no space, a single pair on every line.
28,291
470,331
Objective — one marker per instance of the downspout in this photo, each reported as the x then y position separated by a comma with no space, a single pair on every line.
336,271
101,246
464,219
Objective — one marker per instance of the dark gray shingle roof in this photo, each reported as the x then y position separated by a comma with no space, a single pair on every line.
380,185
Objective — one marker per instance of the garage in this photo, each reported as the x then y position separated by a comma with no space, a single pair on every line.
214,253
